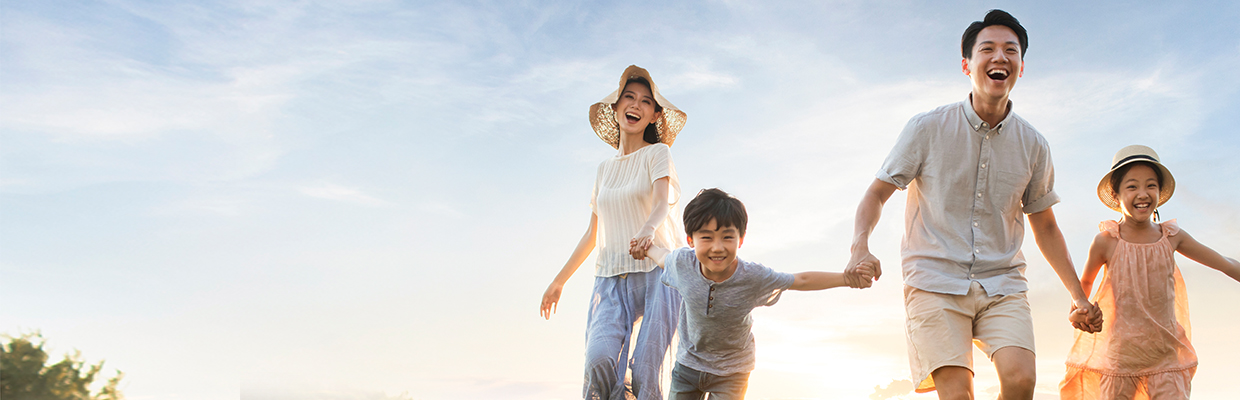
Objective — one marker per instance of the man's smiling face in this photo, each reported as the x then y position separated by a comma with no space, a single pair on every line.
995,64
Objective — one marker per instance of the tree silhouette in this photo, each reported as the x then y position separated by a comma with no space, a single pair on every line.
25,375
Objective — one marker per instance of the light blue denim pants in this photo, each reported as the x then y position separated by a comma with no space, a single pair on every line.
617,304
691,384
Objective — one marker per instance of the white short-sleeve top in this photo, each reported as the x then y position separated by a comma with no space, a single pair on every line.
623,194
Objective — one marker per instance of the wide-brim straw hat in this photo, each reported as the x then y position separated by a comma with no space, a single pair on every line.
1129,155
603,117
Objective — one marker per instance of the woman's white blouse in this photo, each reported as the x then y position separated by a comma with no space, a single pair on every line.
623,193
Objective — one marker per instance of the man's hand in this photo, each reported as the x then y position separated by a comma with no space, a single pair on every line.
860,277
863,269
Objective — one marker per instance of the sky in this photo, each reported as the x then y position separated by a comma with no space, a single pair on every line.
279,200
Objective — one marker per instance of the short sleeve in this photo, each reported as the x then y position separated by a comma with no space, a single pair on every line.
660,165
904,162
1110,227
770,285
659,162
671,268
1040,193
598,179
1171,227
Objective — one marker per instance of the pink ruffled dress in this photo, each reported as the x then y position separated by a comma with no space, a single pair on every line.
1143,351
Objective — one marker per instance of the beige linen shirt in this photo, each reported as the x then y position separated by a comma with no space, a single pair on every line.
969,184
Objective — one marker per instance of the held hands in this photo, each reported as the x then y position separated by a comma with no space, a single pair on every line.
1086,317
641,242
863,269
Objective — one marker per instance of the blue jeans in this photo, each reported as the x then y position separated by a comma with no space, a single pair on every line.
616,305
691,384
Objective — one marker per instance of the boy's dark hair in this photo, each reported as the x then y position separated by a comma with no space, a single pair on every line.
652,132
1117,177
994,17
714,203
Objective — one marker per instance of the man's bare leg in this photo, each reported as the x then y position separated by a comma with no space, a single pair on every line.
1017,373
953,383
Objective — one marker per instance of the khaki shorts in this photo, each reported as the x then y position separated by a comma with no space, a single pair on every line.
941,327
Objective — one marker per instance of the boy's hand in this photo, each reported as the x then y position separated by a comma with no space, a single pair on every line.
637,251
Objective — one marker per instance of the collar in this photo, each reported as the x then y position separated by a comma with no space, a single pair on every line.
976,123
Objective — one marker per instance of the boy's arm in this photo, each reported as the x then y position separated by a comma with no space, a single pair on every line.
658,254
1198,252
816,280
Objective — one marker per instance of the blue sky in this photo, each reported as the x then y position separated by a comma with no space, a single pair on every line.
317,200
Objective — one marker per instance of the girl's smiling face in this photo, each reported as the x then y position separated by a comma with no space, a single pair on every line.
1138,192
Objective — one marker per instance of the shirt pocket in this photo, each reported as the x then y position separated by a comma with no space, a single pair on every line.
1009,189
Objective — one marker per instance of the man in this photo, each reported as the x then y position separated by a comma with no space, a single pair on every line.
971,168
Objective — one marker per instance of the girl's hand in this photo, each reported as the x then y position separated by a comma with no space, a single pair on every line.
551,298
1087,319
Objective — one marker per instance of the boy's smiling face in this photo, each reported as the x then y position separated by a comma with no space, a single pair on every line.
716,249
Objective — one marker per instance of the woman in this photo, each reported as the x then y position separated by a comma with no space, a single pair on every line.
635,193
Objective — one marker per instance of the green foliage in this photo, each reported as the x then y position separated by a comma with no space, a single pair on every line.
25,375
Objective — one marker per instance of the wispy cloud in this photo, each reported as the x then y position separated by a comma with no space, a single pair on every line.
331,191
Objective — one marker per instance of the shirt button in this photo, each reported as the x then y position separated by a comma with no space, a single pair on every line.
972,275
977,251
979,195
710,305
711,298
712,288
983,165
974,224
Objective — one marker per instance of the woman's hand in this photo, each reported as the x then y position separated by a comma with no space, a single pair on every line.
641,242
550,299
637,252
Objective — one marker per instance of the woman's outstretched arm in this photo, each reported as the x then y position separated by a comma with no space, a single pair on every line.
551,298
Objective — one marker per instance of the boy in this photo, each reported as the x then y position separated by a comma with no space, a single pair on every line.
718,291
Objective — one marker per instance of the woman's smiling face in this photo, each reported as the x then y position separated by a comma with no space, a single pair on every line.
635,108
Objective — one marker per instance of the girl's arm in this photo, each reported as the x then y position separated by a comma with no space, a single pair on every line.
1098,256
551,298
1198,252
1099,253
658,213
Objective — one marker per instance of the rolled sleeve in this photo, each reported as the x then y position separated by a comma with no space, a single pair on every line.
905,160
1040,193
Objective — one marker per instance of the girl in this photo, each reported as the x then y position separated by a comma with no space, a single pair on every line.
635,193
1143,350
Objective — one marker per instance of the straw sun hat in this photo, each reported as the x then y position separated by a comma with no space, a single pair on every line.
603,117
1129,155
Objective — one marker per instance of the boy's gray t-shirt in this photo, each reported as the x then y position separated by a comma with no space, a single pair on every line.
715,334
